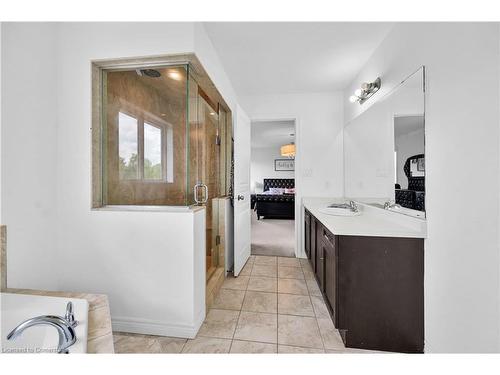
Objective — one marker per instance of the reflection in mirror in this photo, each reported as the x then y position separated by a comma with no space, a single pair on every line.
409,157
384,150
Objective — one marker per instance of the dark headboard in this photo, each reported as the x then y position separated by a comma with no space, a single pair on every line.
287,183
416,183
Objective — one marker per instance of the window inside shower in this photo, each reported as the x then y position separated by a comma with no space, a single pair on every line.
156,153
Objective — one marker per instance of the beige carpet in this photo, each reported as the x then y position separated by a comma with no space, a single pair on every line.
273,237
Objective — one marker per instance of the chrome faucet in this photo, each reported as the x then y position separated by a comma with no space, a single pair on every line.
390,204
70,315
65,327
354,206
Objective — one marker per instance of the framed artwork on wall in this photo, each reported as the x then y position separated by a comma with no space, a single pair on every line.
421,164
284,165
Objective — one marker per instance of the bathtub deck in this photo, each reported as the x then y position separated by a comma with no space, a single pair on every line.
100,336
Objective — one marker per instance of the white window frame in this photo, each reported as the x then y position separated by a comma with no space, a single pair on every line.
167,144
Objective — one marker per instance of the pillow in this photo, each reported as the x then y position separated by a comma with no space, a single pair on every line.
276,191
290,191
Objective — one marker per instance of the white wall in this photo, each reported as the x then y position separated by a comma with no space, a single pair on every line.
145,262
462,199
318,138
1,221
29,134
262,166
149,274
208,57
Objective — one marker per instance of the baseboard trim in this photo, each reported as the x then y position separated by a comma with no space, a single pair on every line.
158,328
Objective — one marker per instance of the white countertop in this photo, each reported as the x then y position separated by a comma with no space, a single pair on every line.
373,221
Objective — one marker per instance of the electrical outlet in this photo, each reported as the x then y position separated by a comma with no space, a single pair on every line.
307,172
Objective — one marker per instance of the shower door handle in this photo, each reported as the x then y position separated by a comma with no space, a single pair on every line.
195,192
206,193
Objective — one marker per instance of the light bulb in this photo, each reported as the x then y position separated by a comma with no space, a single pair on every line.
353,99
358,92
175,75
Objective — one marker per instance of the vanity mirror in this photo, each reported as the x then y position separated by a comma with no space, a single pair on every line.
384,149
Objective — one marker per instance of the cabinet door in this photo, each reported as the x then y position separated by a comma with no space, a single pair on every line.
380,293
330,275
307,233
320,265
313,243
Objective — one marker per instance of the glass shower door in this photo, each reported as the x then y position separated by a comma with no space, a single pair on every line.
207,187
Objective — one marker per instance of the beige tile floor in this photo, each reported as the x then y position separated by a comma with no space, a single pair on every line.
274,306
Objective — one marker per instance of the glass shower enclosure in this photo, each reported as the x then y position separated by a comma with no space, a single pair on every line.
165,141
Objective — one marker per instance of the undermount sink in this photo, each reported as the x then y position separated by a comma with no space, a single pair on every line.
339,209
401,210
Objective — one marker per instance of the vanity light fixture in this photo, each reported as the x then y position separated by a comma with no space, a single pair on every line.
366,91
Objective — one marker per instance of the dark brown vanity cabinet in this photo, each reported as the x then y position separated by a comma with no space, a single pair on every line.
373,286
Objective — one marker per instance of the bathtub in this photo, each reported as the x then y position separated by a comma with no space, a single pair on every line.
15,308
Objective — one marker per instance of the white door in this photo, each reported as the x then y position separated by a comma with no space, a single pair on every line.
241,190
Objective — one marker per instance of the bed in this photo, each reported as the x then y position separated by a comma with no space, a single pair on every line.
275,206
414,196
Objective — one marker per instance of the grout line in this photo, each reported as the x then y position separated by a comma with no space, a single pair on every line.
237,321
314,311
302,346
260,342
183,346
234,332
317,324
277,323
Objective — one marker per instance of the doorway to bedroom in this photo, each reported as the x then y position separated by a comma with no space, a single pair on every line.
272,185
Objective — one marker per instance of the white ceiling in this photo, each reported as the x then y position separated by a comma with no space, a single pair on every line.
272,133
288,57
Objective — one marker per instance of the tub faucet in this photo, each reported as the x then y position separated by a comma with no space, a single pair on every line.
390,204
65,327
354,206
